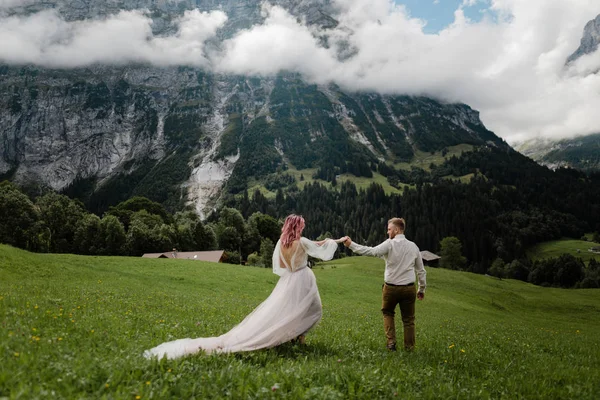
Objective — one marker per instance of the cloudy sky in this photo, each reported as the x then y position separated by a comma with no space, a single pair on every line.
505,58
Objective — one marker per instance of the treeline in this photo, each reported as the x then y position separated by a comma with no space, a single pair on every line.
56,223
510,204
565,271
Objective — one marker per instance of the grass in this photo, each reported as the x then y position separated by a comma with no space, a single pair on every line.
424,159
420,160
555,248
359,182
75,327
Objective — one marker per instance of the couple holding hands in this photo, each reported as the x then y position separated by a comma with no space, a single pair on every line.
294,305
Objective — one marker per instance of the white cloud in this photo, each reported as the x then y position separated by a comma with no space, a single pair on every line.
510,65
281,43
45,38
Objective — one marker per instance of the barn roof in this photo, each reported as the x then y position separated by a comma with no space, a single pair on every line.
213,256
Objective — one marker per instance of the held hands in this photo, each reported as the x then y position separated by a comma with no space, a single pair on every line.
420,295
342,239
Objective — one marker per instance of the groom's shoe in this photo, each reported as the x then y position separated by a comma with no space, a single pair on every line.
391,347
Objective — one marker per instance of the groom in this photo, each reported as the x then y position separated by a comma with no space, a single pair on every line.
402,259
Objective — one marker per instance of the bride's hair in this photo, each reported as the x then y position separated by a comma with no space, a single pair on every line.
292,228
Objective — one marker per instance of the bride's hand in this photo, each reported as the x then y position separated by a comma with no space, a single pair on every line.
341,240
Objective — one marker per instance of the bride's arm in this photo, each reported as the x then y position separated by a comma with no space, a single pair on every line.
324,251
340,240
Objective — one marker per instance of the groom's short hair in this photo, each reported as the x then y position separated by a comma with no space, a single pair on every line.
399,223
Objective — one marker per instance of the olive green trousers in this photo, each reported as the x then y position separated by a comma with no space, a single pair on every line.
405,297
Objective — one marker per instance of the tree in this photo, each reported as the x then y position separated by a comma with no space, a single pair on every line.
61,215
254,259
204,237
569,271
323,236
113,236
229,239
150,220
266,252
232,257
138,239
250,241
268,227
230,217
125,210
451,253
88,235
497,268
596,237
18,218
517,270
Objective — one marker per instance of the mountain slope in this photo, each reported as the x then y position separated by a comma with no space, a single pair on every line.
581,153
589,41
182,135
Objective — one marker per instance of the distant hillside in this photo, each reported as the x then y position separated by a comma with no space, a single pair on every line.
581,153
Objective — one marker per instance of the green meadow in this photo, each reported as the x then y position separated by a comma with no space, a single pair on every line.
556,248
421,160
75,327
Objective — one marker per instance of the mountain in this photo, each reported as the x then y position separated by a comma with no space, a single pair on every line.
183,136
589,41
582,153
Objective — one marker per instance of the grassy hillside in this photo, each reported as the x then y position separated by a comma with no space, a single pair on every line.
75,327
421,160
555,248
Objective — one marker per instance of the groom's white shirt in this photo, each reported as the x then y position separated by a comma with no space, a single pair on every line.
402,258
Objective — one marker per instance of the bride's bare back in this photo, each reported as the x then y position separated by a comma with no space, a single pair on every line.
286,255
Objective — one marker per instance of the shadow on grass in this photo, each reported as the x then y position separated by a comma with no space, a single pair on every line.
289,351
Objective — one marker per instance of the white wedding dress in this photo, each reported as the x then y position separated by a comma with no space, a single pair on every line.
292,309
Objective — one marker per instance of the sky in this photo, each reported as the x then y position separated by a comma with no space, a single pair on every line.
438,14
504,58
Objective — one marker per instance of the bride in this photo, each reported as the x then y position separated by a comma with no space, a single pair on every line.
290,311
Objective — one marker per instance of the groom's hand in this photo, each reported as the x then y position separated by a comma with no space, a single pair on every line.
348,241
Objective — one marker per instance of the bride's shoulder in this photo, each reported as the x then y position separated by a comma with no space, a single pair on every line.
304,241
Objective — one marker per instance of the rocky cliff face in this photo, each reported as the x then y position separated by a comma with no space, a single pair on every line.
179,135
241,13
589,41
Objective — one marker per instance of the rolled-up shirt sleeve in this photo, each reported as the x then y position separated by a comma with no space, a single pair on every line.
378,251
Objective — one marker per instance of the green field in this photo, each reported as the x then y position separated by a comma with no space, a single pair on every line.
423,159
555,248
76,327
420,160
